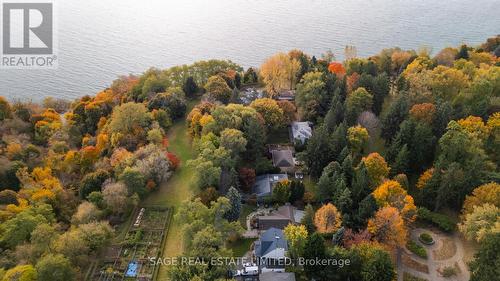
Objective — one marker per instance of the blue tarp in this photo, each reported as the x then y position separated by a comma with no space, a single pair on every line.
132,269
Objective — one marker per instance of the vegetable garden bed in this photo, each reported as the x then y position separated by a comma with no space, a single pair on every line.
144,239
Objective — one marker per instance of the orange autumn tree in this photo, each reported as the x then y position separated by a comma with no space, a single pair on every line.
390,193
337,68
388,228
88,156
425,178
327,219
352,81
102,142
120,156
174,160
423,112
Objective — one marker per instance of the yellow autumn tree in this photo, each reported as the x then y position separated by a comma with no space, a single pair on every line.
388,228
486,193
15,209
279,72
327,219
493,142
390,193
475,127
376,167
448,82
193,119
297,237
39,185
270,111
357,137
47,124
14,151
102,142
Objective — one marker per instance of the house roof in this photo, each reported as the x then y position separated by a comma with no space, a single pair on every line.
286,95
263,184
272,243
250,94
282,217
282,158
301,130
277,276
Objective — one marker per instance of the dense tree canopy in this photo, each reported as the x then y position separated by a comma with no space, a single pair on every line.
391,132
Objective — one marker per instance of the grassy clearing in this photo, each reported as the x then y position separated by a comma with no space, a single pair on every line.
177,189
245,211
241,246
279,136
310,184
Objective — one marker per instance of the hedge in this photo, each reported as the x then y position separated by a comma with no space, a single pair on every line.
441,221
416,249
426,238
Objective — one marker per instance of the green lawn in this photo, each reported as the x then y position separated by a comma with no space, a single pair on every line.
245,211
241,246
278,136
177,189
310,184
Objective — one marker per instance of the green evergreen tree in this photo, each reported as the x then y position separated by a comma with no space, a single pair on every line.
315,248
398,112
308,219
297,190
401,163
234,211
463,53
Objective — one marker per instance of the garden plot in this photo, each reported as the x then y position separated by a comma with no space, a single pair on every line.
129,259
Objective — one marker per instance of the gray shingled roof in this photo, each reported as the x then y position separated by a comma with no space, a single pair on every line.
263,184
270,240
282,158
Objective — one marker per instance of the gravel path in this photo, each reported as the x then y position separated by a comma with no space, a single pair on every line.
431,262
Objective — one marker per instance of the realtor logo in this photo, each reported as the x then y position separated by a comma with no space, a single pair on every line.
28,35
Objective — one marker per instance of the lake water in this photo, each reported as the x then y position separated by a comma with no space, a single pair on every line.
101,39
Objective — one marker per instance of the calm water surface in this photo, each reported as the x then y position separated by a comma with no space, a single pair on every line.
101,39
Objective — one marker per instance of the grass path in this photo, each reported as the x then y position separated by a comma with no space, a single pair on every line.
177,189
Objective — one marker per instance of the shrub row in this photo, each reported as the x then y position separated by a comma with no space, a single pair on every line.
441,221
416,249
